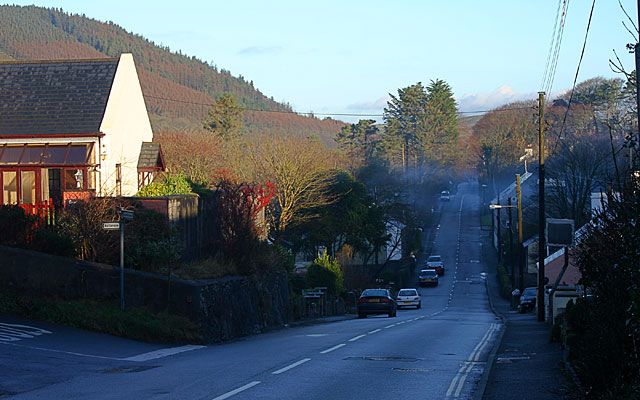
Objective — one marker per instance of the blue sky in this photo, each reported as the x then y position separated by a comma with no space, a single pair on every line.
346,56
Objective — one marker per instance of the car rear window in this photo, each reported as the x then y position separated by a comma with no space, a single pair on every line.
434,259
428,273
530,291
407,293
374,292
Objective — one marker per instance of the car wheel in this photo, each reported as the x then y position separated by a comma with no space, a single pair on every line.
362,316
419,306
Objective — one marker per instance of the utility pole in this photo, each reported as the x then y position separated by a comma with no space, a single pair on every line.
520,234
637,54
541,209
499,233
511,258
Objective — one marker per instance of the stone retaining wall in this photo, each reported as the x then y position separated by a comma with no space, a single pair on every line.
224,308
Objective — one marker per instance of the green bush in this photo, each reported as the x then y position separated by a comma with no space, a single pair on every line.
15,225
50,240
170,184
326,271
505,282
137,323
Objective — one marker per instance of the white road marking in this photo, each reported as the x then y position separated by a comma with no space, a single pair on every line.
288,367
133,358
374,331
356,338
455,388
152,355
330,349
454,382
15,332
389,326
462,379
236,391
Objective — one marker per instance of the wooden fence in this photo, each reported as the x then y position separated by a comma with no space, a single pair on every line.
44,211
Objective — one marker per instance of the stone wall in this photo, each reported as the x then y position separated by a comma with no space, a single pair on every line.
224,308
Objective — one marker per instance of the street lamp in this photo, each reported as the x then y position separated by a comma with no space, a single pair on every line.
509,206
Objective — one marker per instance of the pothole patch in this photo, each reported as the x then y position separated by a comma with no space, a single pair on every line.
129,369
385,358
414,369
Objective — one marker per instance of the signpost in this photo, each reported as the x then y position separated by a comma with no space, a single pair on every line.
111,226
125,215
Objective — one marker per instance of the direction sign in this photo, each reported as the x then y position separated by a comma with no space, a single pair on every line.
111,226
126,215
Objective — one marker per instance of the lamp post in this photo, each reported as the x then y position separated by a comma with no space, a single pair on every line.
498,207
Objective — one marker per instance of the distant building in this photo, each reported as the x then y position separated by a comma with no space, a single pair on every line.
73,129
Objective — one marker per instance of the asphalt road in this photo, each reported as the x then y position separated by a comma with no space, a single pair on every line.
437,352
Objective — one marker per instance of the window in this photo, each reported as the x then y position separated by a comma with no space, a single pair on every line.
28,187
73,179
10,187
118,179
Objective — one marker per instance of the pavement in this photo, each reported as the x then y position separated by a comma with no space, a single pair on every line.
526,364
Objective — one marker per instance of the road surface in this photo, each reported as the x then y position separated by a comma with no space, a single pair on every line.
437,352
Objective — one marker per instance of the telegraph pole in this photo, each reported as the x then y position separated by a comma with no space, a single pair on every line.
520,234
541,209
637,54
511,258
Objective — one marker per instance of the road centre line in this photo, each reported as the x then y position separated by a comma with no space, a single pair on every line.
330,349
290,366
389,326
353,339
236,391
374,331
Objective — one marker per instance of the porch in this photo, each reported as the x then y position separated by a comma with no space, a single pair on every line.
46,173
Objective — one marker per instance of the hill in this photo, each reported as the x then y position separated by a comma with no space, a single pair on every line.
177,88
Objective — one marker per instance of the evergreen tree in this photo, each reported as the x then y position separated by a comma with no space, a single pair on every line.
225,117
358,140
404,117
440,123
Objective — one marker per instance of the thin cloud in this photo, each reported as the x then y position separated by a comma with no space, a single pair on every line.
260,50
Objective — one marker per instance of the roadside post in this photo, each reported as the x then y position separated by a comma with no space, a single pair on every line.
125,215
520,234
559,234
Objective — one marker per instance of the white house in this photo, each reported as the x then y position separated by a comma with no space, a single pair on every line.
72,129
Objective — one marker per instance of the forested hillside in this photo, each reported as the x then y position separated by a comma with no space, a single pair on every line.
177,88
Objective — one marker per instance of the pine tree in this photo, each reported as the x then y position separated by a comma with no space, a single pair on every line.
440,123
225,117
403,116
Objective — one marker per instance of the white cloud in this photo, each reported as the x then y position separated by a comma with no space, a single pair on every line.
376,105
489,100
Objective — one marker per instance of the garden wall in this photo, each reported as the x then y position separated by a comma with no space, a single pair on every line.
223,308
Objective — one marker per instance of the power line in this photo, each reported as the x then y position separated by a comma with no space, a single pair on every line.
325,114
555,46
575,78
551,46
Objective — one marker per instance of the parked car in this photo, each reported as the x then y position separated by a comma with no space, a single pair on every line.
428,277
445,195
376,301
528,299
435,262
408,298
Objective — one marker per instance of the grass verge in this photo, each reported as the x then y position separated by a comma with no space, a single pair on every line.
102,316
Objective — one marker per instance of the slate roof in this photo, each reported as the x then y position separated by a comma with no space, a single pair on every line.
54,97
151,156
